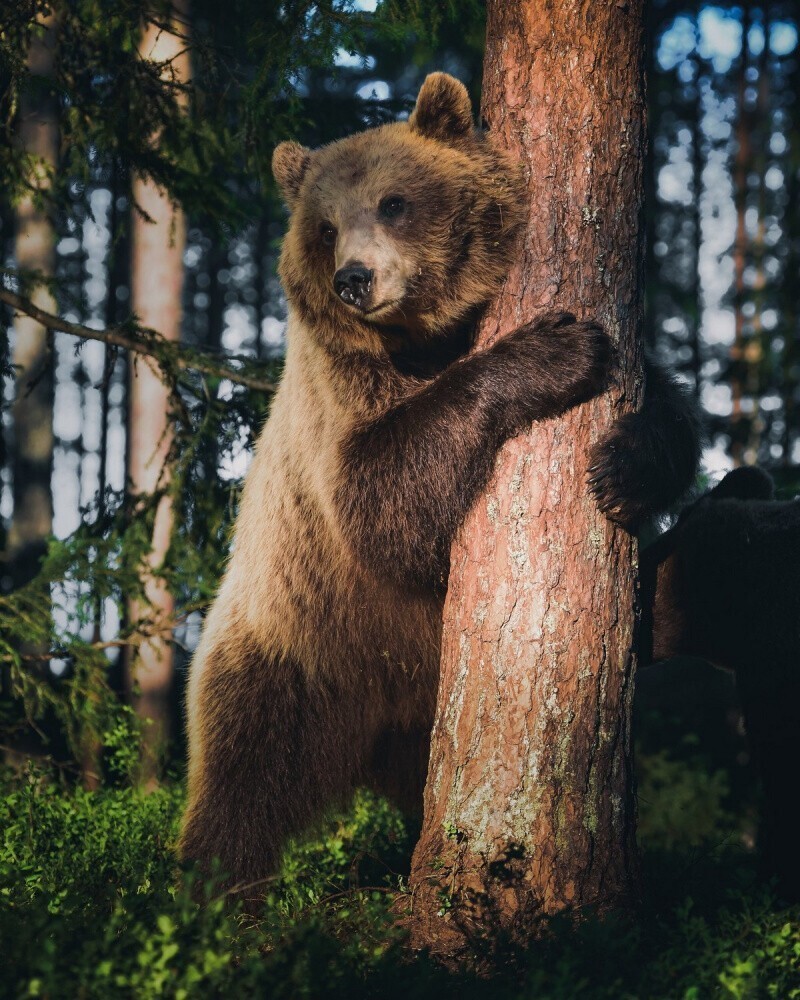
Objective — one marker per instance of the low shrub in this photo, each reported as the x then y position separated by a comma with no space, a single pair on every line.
94,905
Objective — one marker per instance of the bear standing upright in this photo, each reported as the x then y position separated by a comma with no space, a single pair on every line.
319,660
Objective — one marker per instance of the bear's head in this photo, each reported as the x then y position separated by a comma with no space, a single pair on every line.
403,230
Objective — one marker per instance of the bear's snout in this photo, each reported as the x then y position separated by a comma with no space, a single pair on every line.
353,284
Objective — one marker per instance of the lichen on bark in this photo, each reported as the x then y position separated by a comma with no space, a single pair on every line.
531,757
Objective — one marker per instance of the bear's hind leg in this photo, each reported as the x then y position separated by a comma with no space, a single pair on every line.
398,766
270,750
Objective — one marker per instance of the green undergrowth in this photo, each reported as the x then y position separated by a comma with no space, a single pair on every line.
93,904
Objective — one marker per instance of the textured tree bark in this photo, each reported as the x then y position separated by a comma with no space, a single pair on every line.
158,242
528,806
34,250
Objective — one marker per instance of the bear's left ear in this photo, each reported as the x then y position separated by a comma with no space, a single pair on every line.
290,161
749,482
443,110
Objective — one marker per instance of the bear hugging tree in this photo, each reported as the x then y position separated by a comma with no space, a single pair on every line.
319,660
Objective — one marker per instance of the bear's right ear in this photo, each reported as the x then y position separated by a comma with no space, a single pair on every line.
290,161
443,110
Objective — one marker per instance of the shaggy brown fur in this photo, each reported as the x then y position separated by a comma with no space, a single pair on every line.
318,664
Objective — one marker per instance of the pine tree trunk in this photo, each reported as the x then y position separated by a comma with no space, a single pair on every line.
739,428
757,383
698,164
34,250
31,450
156,291
528,805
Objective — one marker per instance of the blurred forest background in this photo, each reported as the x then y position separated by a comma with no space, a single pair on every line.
136,188
135,195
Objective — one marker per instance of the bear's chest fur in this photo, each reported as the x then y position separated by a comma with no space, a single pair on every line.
293,580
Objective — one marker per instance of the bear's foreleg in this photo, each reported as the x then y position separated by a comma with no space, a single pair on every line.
409,477
650,458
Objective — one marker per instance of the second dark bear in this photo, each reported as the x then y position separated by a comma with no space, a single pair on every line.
318,665
724,585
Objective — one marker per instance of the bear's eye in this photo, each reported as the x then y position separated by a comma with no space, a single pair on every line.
392,206
327,234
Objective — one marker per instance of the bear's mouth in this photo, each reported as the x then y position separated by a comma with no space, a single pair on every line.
383,305
359,304
354,299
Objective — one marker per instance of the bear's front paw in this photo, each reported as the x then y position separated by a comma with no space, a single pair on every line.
575,356
569,357
552,364
583,355
621,477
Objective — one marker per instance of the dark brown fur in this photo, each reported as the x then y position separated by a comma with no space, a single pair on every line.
318,664
410,476
724,585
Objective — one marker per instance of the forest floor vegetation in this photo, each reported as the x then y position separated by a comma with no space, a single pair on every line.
94,904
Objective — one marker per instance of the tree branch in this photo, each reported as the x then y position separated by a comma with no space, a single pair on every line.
141,340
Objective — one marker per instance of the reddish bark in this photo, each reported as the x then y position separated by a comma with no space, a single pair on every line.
528,805
158,241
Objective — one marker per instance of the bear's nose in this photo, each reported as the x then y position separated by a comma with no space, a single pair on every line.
352,284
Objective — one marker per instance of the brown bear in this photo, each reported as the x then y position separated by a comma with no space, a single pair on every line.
724,585
318,665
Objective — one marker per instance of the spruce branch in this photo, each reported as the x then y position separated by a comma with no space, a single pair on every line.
141,340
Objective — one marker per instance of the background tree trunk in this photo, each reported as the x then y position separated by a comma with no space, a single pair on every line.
34,250
32,411
528,805
158,242
739,430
